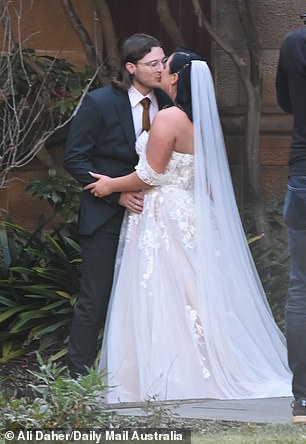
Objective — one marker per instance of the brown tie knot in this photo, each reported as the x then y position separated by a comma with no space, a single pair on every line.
145,102
145,114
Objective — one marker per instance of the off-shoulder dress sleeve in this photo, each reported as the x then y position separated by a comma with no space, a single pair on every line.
143,170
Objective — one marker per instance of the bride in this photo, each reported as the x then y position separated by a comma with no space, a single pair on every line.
188,317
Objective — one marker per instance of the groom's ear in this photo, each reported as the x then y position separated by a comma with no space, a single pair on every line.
130,67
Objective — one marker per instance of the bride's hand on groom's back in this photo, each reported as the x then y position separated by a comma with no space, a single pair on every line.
101,187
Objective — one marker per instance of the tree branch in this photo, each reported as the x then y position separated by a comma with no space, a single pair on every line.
169,23
109,33
82,33
30,109
250,72
249,28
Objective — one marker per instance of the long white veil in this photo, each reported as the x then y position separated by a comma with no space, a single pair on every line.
236,317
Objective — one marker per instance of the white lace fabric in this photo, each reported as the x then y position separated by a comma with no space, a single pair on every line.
171,175
188,317
143,169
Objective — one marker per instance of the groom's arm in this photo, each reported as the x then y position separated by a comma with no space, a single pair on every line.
82,138
80,148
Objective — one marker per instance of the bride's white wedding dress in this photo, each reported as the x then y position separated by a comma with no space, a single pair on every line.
163,339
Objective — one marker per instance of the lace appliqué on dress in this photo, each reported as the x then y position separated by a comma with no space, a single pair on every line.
168,206
182,211
144,171
198,333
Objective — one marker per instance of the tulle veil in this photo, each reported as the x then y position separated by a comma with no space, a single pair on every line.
234,308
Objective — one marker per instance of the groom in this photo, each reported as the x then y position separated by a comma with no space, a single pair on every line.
102,139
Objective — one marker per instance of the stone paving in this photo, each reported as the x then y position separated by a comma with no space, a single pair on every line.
268,410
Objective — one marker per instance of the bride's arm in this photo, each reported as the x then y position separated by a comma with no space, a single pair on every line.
148,170
105,185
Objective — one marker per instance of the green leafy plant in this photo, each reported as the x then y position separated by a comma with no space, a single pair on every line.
44,79
39,273
38,96
57,400
38,287
61,192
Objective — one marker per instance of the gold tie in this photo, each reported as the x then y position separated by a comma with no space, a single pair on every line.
145,114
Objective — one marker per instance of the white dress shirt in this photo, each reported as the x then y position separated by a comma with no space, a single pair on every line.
135,96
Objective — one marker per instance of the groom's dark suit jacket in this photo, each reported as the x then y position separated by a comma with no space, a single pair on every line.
101,139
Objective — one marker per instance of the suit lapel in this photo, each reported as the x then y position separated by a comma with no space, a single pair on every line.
124,111
123,108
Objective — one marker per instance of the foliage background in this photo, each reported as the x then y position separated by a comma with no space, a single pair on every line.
39,267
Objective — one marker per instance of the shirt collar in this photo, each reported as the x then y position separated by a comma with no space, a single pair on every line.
135,96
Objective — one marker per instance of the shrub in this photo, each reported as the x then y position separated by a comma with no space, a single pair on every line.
39,273
57,401
38,280
62,193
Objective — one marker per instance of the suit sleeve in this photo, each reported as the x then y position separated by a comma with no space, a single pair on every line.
282,85
82,138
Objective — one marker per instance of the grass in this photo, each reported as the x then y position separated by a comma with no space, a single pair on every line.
221,432
254,434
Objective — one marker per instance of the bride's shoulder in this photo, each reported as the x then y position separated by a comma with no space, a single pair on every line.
170,113
172,109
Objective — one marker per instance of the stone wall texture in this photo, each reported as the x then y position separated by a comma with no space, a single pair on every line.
274,18
48,31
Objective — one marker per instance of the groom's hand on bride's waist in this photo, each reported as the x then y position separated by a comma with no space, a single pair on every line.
132,200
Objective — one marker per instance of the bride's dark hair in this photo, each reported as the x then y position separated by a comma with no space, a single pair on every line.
181,64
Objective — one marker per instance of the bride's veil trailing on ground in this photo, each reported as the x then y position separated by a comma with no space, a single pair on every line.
237,321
